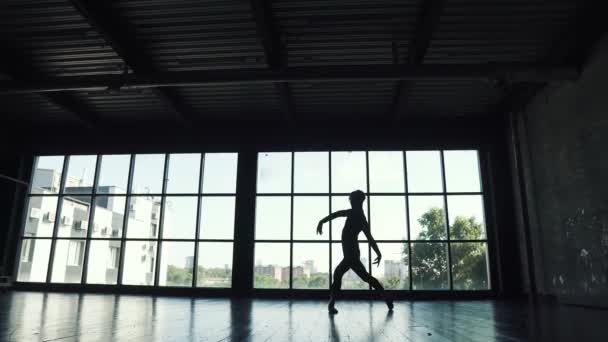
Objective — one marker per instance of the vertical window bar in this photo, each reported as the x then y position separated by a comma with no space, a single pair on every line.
125,220
291,225
369,214
407,219
87,243
161,222
447,219
330,226
198,220
64,171
24,214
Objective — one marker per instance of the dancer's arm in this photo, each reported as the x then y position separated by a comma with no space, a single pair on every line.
339,213
372,243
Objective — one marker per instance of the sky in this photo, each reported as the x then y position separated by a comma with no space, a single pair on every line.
311,175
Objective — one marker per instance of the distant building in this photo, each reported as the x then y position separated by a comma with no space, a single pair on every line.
271,270
297,271
395,269
189,262
104,257
309,267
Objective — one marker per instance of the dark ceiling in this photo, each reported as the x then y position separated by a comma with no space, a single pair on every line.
343,52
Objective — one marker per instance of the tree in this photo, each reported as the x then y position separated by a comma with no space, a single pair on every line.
430,260
178,276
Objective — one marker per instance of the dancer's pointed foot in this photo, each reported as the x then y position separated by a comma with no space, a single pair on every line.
389,303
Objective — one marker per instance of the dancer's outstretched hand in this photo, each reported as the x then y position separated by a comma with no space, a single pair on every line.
377,260
320,228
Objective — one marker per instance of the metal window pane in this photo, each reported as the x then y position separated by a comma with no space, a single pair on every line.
40,217
430,266
388,219
81,174
271,269
311,172
350,280
102,266
217,217
273,218
139,263
348,172
176,264
307,212
108,217
113,174
144,217
183,174
427,218
148,174
47,175
462,171
393,271
470,266
68,261
179,217
34,260
386,172
219,174
310,269
424,171
466,217
74,220
214,264
274,172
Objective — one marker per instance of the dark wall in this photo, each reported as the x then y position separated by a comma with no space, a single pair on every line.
11,166
565,133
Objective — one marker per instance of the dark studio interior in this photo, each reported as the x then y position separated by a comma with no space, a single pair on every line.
288,170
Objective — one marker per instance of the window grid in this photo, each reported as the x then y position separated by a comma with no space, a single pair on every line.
25,240
409,241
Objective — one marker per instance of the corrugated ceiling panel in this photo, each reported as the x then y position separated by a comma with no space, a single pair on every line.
54,39
128,106
247,102
478,31
345,32
317,100
196,35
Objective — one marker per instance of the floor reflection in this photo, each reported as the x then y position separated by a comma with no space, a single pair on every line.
87,317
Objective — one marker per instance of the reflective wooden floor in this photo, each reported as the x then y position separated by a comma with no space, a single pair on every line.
33,316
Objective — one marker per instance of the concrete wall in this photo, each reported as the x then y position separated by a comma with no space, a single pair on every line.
564,131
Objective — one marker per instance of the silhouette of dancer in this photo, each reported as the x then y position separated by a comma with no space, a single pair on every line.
355,223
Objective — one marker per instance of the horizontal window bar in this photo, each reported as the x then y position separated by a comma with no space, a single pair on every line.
194,194
364,241
369,194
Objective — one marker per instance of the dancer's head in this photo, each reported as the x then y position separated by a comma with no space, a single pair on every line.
356,198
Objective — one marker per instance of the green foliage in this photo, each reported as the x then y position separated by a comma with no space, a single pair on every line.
394,283
177,276
430,260
265,281
214,277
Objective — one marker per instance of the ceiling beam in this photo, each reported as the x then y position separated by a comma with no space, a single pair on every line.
121,37
426,24
490,72
273,50
20,69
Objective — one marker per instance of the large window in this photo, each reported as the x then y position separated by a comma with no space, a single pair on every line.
425,210
146,219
